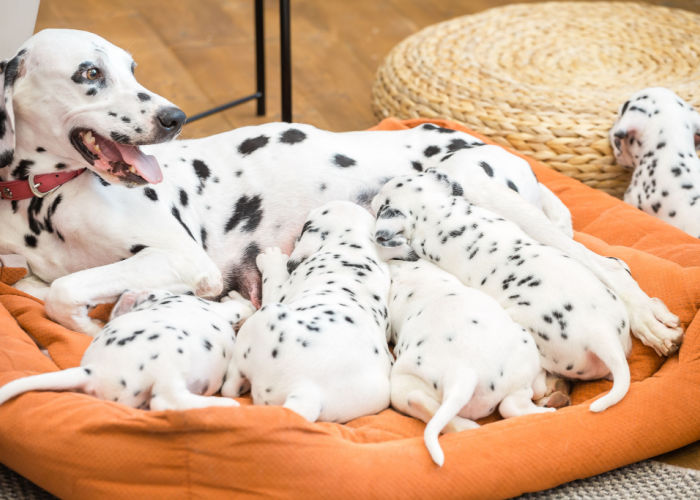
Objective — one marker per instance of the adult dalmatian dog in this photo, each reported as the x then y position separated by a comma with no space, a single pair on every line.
98,201
656,134
193,213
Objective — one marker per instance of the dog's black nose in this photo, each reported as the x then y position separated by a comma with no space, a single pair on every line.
171,119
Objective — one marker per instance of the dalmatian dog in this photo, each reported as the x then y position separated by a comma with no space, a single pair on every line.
458,354
580,326
159,350
113,203
650,320
318,346
655,135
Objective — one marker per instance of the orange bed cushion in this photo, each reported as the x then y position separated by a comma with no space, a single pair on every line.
79,447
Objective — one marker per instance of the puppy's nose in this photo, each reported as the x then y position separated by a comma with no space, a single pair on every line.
171,119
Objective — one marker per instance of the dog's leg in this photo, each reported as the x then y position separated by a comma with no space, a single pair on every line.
556,211
71,296
306,400
33,286
520,403
171,393
272,264
650,319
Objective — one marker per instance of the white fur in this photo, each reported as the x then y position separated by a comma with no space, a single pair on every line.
159,351
318,345
655,134
223,198
580,326
458,354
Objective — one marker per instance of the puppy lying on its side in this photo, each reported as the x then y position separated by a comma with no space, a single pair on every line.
159,350
318,345
457,353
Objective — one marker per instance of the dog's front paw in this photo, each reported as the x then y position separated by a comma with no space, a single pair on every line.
657,327
209,283
271,260
74,316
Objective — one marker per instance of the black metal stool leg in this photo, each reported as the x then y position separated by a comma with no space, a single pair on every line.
286,60
260,54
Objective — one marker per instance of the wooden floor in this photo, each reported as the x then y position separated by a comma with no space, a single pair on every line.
199,53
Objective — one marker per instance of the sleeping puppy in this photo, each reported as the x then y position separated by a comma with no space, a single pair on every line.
159,350
580,326
457,353
318,345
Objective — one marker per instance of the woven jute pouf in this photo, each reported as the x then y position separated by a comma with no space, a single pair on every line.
546,79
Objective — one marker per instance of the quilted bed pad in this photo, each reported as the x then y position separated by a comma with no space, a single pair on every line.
76,446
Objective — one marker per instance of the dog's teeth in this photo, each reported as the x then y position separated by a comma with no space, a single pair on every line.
88,138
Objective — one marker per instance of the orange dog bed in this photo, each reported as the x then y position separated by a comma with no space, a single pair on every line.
76,446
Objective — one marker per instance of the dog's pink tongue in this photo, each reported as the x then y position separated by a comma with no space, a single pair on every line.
146,165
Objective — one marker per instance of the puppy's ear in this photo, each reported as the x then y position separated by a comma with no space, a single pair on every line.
622,139
128,301
9,72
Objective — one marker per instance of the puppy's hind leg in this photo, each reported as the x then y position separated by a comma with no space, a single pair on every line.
171,393
520,403
412,395
306,400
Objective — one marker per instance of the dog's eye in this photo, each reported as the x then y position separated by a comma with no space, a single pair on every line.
93,74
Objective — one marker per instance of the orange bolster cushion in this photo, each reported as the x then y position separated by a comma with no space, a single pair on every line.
76,446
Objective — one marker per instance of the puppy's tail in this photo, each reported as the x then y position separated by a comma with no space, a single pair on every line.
614,358
455,397
71,378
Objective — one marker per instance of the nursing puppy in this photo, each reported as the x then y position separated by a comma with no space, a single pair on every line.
580,326
318,345
457,353
159,350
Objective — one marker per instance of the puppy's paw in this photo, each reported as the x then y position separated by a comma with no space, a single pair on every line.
238,308
271,260
657,327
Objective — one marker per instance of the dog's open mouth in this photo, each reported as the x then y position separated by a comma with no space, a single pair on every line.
125,162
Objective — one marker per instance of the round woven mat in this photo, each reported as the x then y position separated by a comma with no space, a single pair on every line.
546,79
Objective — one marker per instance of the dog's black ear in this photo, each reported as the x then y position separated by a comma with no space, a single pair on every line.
9,72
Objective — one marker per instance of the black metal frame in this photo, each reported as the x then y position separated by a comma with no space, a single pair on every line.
285,66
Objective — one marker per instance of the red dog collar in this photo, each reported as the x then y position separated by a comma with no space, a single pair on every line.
23,190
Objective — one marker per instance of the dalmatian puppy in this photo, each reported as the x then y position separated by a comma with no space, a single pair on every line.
650,320
318,346
580,326
655,135
114,203
159,350
458,353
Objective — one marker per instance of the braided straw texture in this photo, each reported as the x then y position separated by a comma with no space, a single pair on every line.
546,79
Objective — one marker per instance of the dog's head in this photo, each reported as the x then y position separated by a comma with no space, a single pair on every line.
651,117
74,94
398,205
337,223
